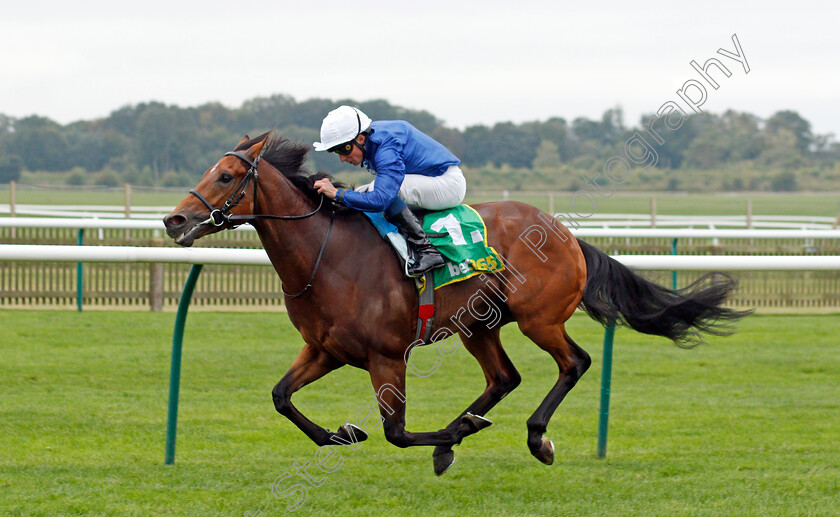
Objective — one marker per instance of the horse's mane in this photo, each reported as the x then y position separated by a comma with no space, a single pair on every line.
288,157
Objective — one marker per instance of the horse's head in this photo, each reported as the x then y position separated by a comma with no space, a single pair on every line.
223,191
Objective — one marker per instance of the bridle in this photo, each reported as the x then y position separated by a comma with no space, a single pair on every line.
220,216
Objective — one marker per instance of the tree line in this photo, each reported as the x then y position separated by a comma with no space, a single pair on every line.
155,144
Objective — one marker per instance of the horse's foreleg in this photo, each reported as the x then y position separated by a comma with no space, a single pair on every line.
388,379
309,366
501,377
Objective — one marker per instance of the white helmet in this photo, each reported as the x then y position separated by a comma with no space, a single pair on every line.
341,125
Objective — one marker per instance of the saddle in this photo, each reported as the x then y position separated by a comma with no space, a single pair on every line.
460,235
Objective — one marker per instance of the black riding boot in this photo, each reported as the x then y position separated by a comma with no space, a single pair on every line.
426,257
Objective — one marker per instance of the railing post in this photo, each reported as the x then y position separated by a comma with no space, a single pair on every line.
156,281
79,273
653,211
750,218
606,377
674,273
175,368
13,205
127,212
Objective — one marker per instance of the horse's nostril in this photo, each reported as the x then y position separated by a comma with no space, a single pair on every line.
174,221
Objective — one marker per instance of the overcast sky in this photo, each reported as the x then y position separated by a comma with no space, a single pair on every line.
465,62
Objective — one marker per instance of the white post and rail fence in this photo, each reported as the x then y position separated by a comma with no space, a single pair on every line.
157,285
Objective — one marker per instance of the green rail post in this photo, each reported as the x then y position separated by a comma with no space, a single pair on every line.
606,375
79,277
175,369
674,273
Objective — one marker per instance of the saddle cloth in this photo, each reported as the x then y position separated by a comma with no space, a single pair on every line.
458,233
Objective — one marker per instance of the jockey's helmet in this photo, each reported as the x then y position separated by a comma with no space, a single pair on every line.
341,125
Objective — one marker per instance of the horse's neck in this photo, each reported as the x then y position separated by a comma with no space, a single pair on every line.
292,245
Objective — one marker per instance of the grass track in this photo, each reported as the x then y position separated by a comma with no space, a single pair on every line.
745,425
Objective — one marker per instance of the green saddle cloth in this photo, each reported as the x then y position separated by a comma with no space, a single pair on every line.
463,243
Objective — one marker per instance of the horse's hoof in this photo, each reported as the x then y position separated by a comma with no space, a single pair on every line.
443,461
349,433
546,451
476,423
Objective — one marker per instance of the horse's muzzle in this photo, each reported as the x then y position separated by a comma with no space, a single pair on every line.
184,228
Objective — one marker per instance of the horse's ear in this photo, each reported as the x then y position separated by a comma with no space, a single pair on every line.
244,139
256,149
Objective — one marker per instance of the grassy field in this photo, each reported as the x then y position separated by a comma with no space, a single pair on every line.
745,425
95,197
825,204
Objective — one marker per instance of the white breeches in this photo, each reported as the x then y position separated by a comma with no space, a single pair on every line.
430,192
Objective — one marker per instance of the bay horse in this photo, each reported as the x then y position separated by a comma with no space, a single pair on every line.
346,293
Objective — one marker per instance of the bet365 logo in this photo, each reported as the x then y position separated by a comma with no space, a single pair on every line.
488,263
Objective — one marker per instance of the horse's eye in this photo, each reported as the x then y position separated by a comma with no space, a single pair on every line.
225,178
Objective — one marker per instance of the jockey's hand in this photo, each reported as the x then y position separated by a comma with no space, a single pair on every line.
325,187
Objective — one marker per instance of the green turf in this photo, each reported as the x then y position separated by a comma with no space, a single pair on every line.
745,425
113,196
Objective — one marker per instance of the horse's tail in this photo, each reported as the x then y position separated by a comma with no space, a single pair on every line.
614,292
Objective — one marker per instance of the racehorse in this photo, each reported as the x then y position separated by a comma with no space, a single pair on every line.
346,293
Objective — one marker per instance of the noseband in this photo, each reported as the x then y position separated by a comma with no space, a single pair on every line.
220,216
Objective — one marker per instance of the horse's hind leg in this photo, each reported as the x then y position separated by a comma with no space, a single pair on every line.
388,378
572,361
501,377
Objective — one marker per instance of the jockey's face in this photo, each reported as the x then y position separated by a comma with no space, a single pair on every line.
356,156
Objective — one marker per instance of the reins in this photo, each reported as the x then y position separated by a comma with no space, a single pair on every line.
317,262
220,216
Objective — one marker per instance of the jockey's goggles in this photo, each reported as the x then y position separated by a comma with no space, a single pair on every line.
342,149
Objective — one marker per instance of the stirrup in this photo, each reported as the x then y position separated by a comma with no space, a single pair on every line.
413,270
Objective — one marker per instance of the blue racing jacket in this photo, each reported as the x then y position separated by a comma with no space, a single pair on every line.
393,149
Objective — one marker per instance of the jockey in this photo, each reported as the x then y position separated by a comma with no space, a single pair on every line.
410,168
